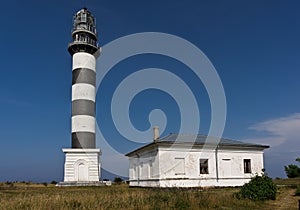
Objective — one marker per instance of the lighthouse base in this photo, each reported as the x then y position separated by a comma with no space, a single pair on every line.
82,167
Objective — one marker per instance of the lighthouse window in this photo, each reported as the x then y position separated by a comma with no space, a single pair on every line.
83,17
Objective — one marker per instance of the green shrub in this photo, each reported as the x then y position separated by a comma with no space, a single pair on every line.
292,171
53,182
298,191
259,188
118,180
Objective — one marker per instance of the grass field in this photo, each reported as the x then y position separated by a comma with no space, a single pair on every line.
39,196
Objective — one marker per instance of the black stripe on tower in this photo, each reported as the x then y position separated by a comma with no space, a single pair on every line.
83,107
84,75
83,140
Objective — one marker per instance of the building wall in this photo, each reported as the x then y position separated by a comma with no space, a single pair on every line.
144,167
172,158
180,167
81,165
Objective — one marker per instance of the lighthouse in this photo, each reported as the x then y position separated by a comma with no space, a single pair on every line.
82,160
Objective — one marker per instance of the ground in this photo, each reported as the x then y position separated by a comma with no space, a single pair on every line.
40,196
285,200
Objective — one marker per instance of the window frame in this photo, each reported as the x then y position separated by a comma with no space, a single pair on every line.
247,166
177,164
203,165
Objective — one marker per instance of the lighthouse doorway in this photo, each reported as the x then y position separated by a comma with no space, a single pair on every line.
82,172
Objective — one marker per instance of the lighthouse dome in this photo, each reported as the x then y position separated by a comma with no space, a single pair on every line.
84,33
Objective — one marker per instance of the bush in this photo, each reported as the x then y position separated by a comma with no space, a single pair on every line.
298,191
118,180
259,188
292,171
53,182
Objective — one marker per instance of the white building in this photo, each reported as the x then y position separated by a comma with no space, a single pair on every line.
187,161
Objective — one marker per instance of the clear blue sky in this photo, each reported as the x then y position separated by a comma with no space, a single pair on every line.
254,46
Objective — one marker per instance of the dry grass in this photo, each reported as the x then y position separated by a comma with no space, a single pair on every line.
33,196
289,182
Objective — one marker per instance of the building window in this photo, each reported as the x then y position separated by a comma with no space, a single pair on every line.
247,166
150,171
203,166
134,171
140,171
179,166
83,17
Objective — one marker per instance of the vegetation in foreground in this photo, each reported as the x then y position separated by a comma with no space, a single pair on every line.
259,188
41,196
292,170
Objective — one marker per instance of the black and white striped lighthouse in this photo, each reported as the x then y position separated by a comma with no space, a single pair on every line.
82,162
84,50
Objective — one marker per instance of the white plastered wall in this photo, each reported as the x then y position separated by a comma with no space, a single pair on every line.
230,167
87,157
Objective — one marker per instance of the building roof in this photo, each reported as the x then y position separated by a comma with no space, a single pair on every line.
198,139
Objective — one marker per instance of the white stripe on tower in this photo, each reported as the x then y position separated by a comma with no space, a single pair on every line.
83,91
83,123
84,60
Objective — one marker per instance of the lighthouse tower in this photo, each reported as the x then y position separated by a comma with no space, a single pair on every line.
82,162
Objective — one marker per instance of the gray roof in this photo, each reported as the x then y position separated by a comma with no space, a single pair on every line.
198,139
201,139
